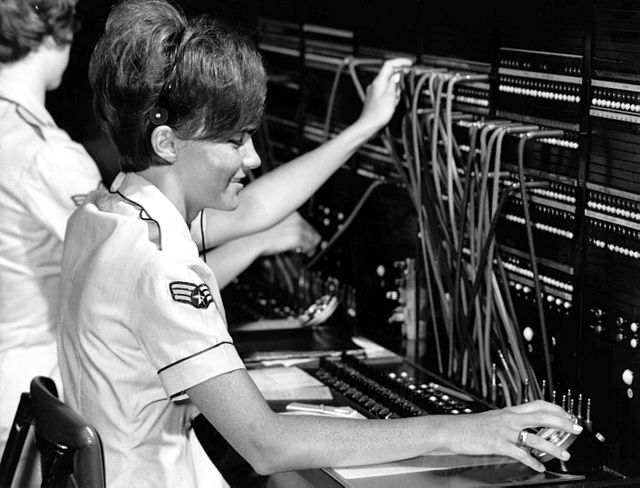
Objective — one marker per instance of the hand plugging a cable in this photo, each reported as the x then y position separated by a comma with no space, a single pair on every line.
383,93
504,432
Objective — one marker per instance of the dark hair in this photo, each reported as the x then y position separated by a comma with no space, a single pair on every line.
25,23
209,79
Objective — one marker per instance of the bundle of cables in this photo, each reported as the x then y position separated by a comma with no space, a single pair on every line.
459,195
458,198
461,203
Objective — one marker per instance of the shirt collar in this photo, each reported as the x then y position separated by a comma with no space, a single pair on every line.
11,90
156,205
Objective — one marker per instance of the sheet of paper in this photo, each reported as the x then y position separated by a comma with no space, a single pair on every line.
372,349
422,463
289,383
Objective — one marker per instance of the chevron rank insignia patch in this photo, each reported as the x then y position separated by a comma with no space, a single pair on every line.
197,295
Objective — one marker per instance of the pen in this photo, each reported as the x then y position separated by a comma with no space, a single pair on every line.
322,409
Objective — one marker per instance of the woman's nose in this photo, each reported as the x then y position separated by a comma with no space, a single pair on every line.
250,159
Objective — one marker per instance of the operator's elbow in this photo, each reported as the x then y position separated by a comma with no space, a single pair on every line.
267,460
264,467
266,464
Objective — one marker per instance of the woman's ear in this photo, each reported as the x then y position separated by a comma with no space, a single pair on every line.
163,141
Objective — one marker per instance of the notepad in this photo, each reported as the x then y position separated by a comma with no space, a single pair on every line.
435,471
289,383
419,464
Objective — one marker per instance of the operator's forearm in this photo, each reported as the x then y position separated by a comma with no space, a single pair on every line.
268,199
348,442
271,442
285,188
229,260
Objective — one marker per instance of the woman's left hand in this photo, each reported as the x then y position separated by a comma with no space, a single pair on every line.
383,93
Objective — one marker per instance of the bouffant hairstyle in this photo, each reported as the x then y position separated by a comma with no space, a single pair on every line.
155,66
24,24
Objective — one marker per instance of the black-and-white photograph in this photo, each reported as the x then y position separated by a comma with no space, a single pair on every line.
319,244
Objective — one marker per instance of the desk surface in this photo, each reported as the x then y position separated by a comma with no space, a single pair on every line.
320,479
239,474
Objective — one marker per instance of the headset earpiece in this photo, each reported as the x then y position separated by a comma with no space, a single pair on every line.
158,115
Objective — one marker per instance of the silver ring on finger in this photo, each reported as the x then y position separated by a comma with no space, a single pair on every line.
522,438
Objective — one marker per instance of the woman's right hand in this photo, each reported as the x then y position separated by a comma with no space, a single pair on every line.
294,232
498,432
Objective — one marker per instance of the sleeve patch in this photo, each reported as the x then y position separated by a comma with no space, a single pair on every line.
198,296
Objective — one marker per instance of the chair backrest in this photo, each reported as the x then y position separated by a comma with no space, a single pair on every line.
15,442
70,448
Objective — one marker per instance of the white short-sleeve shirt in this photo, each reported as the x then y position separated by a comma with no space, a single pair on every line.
141,321
44,175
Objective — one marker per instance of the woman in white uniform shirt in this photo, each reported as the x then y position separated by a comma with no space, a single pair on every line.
143,339
44,176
